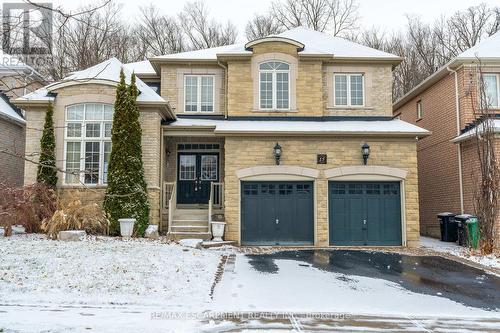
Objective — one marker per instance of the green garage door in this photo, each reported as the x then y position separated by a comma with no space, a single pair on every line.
277,213
365,213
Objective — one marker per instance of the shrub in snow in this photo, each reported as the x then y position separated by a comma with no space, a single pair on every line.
126,195
26,206
73,215
47,172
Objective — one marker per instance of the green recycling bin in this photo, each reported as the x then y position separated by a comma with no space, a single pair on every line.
473,233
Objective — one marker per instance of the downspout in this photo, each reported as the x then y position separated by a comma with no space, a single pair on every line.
457,110
225,88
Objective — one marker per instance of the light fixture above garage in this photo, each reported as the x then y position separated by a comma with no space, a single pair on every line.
365,150
277,153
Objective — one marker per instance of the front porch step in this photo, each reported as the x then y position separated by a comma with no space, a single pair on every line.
193,214
194,223
189,228
177,235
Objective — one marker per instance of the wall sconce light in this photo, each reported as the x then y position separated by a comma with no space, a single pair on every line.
277,153
365,150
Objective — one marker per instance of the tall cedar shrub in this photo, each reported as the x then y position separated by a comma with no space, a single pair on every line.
126,195
47,172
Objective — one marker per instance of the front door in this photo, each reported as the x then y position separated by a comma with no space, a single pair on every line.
195,172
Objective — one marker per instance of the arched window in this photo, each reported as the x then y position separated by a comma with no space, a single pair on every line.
87,143
274,85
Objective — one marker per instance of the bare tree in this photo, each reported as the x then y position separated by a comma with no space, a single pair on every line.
261,26
487,189
160,34
334,16
202,31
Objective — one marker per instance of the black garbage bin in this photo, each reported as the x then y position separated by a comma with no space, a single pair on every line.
448,227
462,228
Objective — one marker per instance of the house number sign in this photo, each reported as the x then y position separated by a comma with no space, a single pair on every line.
321,159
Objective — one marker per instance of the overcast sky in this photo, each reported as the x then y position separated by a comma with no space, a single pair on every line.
388,15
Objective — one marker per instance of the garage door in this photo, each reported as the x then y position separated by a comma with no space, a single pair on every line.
365,213
277,213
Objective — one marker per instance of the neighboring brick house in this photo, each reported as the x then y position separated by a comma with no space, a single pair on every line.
16,79
267,136
445,104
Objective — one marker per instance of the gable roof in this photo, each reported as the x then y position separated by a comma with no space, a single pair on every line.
488,50
10,111
107,72
314,43
141,68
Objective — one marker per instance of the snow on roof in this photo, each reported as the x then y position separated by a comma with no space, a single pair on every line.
394,126
140,67
487,48
108,70
315,43
472,132
7,110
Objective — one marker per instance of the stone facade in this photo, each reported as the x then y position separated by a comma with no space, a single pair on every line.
150,120
244,152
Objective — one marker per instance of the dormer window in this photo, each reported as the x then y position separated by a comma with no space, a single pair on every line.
274,85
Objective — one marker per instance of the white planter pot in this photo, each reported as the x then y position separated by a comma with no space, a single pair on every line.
218,231
126,227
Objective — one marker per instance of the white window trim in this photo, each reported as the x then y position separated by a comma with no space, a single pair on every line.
348,82
274,85
83,139
497,76
198,97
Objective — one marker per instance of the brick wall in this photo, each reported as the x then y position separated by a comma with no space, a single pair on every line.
437,156
12,141
244,152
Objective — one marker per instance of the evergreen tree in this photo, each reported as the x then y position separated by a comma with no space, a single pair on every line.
47,172
126,194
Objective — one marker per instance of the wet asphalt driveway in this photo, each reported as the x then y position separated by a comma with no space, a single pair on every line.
355,290
430,275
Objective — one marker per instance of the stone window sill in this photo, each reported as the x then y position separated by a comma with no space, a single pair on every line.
275,111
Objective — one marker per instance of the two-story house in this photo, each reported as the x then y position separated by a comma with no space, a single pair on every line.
447,103
289,139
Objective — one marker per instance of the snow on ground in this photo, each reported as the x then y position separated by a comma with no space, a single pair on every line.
491,260
322,291
103,271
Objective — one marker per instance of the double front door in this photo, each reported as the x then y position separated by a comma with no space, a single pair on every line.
195,172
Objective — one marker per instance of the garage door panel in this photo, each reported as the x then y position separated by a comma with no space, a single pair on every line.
352,203
288,203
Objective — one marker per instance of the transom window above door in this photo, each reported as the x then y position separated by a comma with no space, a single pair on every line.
349,89
198,93
274,85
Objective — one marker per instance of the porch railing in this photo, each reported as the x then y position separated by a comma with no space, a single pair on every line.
217,195
216,200
169,201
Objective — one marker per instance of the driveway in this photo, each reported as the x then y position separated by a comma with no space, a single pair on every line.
348,286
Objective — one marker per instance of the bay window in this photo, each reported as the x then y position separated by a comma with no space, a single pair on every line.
198,93
492,89
274,85
349,89
87,141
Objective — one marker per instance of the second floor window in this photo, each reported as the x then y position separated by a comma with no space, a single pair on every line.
492,89
349,89
274,85
87,143
420,112
198,93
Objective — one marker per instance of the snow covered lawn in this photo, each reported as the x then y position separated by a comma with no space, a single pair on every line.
104,271
491,260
